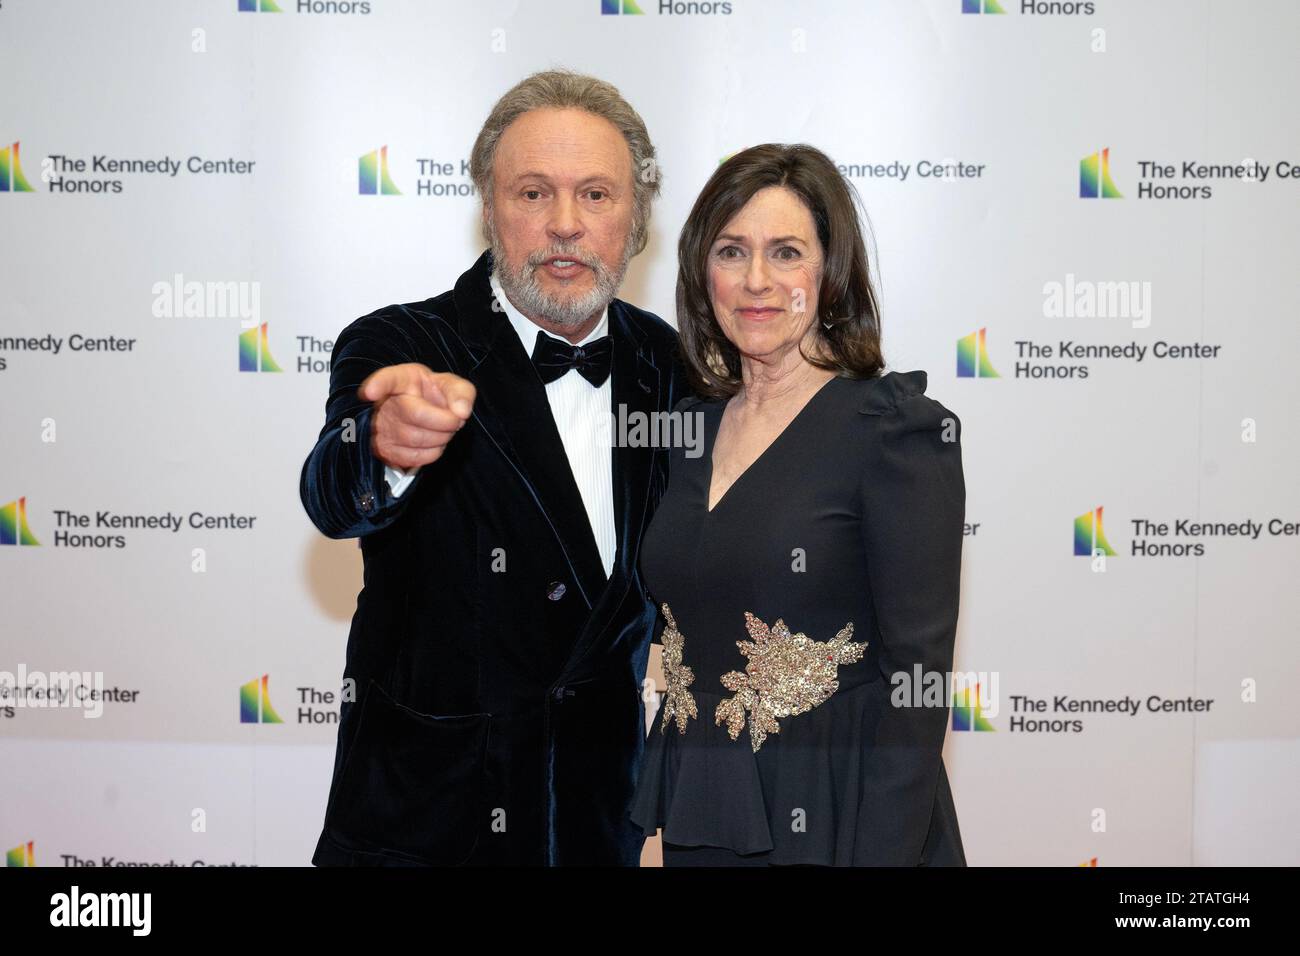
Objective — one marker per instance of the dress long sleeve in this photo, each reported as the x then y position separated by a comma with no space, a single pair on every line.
913,501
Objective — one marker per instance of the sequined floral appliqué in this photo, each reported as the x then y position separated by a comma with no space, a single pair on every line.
679,703
786,674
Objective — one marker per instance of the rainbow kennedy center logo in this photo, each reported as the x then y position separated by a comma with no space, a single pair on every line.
1152,538
255,351
21,855
1047,361
316,706
12,179
973,356
1089,536
981,6
1094,177
13,524
968,712
435,176
372,174
255,702
259,6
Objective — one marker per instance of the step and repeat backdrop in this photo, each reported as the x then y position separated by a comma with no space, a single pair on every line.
1085,221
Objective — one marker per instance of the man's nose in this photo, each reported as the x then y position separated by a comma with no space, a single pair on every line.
565,224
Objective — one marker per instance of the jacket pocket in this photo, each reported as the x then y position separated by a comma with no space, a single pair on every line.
412,783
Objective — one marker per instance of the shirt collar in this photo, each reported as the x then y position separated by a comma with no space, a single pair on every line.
527,329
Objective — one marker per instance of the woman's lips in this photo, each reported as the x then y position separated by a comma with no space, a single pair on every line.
758,314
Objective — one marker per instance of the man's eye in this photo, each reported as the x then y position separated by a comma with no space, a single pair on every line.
596,194
532,194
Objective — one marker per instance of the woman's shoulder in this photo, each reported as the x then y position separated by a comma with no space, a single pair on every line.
897,403
885,392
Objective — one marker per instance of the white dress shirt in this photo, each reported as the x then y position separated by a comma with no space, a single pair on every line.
581,412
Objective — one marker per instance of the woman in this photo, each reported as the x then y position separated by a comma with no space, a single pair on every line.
809,555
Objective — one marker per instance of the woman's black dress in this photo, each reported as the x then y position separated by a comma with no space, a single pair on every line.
832,563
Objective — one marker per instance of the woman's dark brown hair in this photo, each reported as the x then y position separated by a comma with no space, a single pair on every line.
846,300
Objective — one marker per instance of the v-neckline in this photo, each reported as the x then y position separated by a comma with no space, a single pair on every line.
708,478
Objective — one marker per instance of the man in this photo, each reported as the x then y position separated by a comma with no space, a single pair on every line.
502,632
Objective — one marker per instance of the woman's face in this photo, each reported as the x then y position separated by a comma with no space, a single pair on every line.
764,272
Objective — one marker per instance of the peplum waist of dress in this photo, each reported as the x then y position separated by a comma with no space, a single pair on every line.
771,758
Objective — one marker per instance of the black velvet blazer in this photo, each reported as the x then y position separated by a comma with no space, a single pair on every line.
497,715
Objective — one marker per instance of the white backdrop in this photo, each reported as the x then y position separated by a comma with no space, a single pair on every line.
109,218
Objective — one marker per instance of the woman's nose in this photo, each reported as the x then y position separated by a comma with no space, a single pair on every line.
756,276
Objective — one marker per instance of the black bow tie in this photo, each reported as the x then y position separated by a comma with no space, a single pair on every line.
554,357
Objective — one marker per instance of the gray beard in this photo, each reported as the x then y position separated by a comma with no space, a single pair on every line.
523,289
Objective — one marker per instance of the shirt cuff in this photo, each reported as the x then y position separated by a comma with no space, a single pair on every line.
398,479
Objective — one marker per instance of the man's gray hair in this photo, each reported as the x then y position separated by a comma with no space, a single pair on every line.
564,89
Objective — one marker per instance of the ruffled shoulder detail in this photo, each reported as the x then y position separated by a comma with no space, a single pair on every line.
884,394
903,409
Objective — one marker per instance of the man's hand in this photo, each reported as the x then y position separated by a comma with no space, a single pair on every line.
416,413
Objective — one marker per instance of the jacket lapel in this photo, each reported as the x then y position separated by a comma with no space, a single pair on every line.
512,409
635,395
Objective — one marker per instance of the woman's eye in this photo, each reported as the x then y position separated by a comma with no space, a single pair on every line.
725,252
781,253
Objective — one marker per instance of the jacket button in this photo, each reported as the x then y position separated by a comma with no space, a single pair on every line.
555,590
367,501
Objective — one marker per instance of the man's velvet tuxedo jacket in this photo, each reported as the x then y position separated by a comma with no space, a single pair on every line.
498,715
